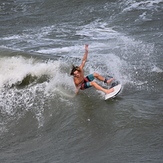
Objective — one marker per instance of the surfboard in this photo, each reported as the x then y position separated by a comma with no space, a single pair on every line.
117,89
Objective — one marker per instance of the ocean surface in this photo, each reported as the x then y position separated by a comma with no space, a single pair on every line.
41,119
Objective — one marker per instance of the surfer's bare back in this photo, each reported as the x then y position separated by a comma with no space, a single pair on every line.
82,82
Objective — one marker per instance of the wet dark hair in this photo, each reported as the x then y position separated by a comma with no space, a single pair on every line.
74,68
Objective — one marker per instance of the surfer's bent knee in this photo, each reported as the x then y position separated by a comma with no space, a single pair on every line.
95,74
92,83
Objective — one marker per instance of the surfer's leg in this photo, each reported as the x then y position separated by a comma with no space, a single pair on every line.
99,77
107,91
109,81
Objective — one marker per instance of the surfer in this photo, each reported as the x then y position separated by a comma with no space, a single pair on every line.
82,82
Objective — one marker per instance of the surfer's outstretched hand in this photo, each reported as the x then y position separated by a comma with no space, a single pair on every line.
86,47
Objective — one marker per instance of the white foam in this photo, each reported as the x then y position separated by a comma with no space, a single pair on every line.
71,49
13,37
14,102
157,69
14,69
62,84
149,4
97,30
144,17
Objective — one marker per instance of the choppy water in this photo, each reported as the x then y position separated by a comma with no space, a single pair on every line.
41,120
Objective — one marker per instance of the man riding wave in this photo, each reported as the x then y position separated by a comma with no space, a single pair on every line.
82,82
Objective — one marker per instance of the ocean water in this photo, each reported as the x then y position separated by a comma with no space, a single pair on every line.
41,119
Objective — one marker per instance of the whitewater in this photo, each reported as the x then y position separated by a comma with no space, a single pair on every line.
41,118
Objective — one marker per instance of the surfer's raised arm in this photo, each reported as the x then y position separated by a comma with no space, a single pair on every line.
84,57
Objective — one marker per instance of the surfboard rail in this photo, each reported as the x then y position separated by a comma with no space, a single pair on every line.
117,89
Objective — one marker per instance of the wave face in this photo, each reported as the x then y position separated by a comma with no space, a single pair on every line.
41,119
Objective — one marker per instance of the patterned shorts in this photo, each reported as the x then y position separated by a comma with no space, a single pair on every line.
86,83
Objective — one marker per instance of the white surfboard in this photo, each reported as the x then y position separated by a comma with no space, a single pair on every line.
117,89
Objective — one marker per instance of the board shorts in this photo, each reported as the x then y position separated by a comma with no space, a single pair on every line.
86,83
